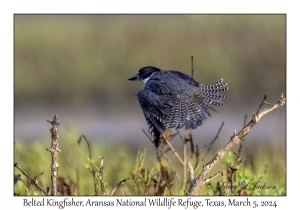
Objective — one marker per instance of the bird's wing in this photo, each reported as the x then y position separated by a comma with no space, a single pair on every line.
185,77
187,104
156,104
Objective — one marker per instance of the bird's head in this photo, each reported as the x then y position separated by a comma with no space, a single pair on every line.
144,74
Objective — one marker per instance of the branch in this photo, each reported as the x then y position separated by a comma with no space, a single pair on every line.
90,156
32,181
212,176
192,63
175,153
169,144
54,150
87,142
118,185
163,153
209,146
231,170
176,174
184,181
236,139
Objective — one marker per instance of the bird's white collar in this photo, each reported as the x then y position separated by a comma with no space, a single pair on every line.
146,79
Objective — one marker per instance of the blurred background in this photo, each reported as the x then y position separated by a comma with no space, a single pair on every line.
77,66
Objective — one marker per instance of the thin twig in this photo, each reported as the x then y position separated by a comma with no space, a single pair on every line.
183,163
224,178
245,120
231,170
176,174
184,182
175,153
190,169
163,153
92,165
210,145
54,150
212,176
200,180
180,136
192,64
118,185
32,181
238,154
173,150
158,182
87,143
197,155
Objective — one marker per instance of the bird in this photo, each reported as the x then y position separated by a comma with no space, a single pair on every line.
172,99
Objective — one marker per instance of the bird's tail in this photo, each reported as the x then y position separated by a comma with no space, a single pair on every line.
210,92
193,114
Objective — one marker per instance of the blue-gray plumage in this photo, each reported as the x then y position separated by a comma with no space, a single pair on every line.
172,99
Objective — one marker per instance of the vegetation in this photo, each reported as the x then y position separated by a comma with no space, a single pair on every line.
260,170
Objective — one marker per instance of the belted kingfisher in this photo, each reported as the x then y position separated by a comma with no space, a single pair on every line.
172,99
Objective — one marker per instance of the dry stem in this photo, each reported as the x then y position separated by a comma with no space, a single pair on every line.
32,180
236,139
210,145
92,165
54,150
118,185
100,170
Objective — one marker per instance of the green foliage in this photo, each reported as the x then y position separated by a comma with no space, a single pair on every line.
181,192
148,177
141,177
254,183
230,158
74,162
139,162
89,165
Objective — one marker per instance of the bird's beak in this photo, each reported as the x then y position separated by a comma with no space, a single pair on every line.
135,77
